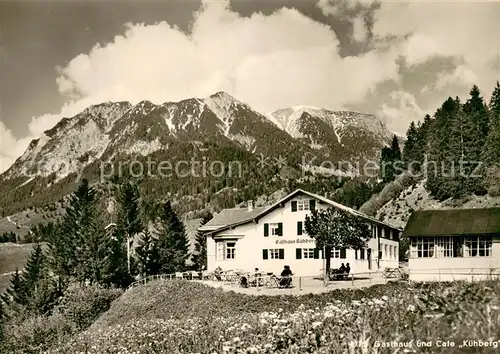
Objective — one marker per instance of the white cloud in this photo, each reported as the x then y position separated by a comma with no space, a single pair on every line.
466,30
359,30
10,147
401,109
335,7
461,76
270,61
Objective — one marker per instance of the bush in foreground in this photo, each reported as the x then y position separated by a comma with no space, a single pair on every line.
79,308
181,317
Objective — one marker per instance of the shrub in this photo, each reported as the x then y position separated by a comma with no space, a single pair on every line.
494,191
81,305
35,334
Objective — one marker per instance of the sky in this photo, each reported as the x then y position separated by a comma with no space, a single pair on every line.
396,59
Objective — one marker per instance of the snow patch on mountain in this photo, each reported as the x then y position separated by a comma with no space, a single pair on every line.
289,120
246,141
221,105
144,148
327,171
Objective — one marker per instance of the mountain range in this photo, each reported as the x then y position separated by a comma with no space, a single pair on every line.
120,131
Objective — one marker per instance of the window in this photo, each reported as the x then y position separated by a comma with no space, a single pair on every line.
335,253
477,246
422,247
302,205
275,253
444,246
308,253
448,246
390,252
362,253
386,252
275,229
226,250
230,250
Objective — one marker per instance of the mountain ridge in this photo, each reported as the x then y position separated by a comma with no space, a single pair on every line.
218,114
215,128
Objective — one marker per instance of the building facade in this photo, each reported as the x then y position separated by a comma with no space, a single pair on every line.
271,237
450,245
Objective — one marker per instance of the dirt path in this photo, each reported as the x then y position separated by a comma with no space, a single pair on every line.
306,286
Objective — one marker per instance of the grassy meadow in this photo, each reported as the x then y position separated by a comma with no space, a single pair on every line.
188,317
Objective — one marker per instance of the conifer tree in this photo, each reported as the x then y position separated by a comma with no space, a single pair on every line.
491,150
396,151
438,162
475,127
39,288
129,224
78,248
15,294
2,320
200,248
173,244
390,161
148,258
34,270
411,145
93,253
423,139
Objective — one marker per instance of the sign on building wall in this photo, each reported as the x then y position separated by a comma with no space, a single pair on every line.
299,240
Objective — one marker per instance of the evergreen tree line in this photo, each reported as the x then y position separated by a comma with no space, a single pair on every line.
83,248
457,150
8,236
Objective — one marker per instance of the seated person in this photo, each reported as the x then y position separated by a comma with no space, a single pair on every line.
257,277
347,268
342,268
244,282
286,277
218,273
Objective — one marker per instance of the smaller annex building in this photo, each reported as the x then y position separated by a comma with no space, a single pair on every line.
273,236
454,244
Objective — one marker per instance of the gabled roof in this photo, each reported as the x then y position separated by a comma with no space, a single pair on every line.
230,218
452,222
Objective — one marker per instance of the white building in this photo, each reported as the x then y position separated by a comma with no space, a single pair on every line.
270,237
454,244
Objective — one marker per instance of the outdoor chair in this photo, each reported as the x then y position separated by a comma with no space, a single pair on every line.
195,275
285,282
279,282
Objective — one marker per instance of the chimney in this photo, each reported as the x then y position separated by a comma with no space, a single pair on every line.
250,205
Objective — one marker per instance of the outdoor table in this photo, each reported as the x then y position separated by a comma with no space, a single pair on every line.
391,273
